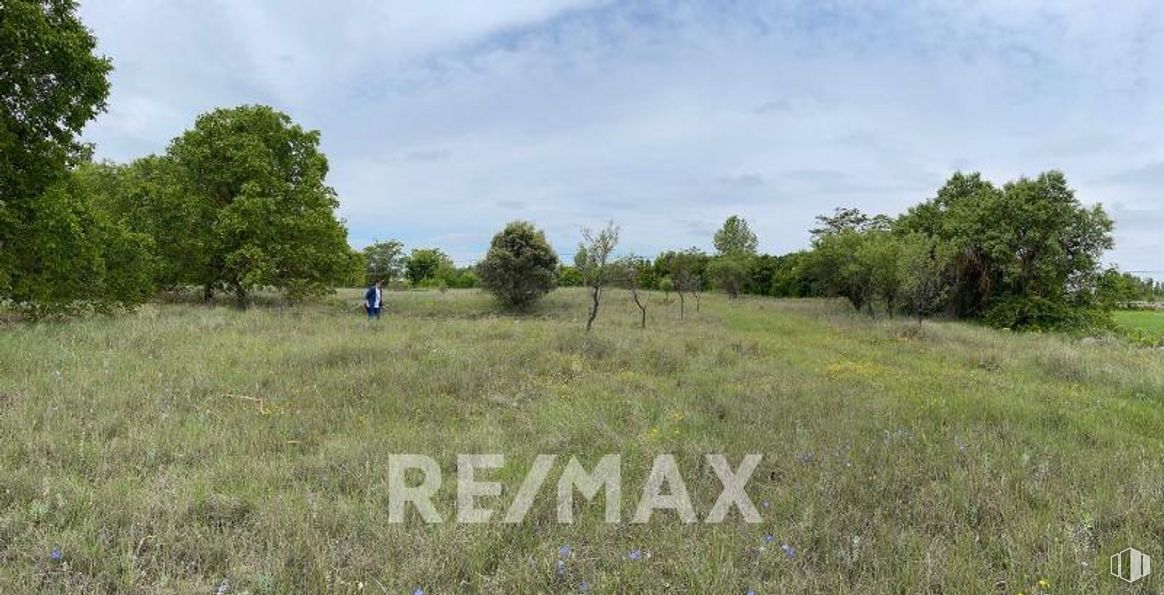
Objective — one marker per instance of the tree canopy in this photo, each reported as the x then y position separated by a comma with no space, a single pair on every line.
520,266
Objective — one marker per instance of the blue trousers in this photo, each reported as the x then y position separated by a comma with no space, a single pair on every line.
373,312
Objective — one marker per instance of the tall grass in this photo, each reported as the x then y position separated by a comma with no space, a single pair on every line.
181,446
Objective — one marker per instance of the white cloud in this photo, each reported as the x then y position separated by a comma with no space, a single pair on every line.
444,120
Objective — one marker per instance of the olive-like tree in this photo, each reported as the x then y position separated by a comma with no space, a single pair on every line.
593,261
520,266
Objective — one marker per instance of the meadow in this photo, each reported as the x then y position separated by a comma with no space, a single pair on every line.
188,449
1149,323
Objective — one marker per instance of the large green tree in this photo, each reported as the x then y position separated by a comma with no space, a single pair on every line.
735,238
520,266
51,84
252,186
384,261
428,264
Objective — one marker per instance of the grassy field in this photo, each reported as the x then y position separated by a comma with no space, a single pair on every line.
172,449
1150,322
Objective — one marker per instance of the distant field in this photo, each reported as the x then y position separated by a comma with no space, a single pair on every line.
172,449
1148,321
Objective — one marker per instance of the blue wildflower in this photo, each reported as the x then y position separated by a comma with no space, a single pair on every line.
635,555
751,592
584,586
561,568
564,551
56,554
418,591
789,551
766,504
768,538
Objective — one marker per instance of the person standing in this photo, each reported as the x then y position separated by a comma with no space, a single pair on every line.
374,299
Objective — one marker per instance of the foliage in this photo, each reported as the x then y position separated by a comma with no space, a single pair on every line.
51,85
923,266
1030,238
568,276
735,238
1042,314
77,258
728,274
253,193
384,261
520,266
426,263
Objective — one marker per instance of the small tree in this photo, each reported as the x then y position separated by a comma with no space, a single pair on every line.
384,260
520,266
631,276
425,264
593,262
923,263
729,274
666,285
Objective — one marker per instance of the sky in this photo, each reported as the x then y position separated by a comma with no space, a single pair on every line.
444,120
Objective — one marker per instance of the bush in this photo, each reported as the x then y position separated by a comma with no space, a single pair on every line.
520,266
1041,314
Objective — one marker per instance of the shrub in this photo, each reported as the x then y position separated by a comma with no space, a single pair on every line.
520,266
1041,314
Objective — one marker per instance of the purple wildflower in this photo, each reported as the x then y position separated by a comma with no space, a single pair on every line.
584,587
789,551
565,551
56,554
561,568
635,555
418,591
768,538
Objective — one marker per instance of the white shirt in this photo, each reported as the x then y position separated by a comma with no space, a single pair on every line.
377,302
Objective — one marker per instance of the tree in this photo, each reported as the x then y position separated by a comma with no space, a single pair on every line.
666,286
634,274
51,85
252,184
1028,239
729,274
520,266
426,264
384,261
77,257
685,268
923,263
735,238
592,259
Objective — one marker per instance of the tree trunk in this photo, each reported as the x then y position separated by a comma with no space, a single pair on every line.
682,303
594,291
642,310
208,293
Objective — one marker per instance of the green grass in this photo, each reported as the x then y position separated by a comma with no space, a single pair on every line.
167,450
1146,321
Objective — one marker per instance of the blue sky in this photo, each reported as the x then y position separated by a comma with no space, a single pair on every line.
443,120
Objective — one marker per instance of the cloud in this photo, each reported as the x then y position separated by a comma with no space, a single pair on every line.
452,118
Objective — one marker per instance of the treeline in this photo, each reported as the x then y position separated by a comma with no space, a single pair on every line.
237,202
1022,255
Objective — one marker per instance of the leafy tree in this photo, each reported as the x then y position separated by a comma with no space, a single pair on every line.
729,274
253,184
520,266
793,277
735,238
923,263
77,257
837,267
384,260
568,276
666,285
686,270
593,261
426,264
51,85
1029,238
